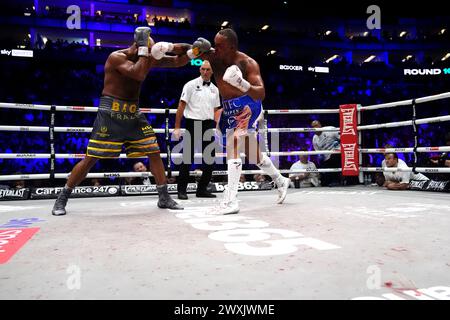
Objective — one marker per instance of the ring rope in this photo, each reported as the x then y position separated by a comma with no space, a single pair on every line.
404,123
281,111
167,111
215,173
218,155
414,125
163,155
406,102
52,143
89,129
167,139
148,174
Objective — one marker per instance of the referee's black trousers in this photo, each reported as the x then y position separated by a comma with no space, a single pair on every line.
188,154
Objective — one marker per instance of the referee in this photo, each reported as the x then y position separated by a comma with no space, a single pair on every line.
198,103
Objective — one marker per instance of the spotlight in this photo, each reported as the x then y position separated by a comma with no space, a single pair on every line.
370,58
332,58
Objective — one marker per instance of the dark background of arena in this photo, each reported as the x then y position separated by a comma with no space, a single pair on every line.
67,67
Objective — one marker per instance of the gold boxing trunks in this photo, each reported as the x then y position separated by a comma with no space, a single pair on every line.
120,123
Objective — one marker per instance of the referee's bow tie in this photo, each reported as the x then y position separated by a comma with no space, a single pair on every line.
206,83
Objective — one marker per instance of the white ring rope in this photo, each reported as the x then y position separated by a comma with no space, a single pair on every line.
303,111
283,111
147,174
163,155
405,150
405,102
404,123
60,129
222,155
89,129
215,173
74,108
418,169
145,110
300,130
281,130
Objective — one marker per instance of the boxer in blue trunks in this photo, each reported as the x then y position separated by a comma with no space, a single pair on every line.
240,113
240,84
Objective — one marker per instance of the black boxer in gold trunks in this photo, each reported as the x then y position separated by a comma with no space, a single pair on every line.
119,122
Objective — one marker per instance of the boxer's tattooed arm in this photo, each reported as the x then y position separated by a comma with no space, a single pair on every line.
252,74
243,66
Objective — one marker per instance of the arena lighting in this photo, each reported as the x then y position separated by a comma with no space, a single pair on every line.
98,42
402,34
265,27
446,57
44,39
442,31
29,36
224,24
271,52
328,32
408,57
370,58
332,58
366,33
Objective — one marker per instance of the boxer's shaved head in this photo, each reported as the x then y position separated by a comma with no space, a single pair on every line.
316,124
226,44
231,36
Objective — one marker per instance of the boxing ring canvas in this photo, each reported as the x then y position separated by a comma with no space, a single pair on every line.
322,243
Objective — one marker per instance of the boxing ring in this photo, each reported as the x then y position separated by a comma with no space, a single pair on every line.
362,242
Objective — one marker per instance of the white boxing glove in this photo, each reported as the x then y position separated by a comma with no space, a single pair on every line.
233,76
159,49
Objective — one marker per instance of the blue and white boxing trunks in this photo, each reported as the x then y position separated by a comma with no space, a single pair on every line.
240,113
